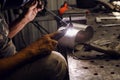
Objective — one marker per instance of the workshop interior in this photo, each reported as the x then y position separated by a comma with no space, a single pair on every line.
89,36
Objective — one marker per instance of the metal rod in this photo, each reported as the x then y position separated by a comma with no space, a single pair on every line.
109,25
56,16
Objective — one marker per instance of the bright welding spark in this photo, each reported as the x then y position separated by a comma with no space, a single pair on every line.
116,3
71,32
116,13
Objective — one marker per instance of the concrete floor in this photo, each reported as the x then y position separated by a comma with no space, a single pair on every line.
94,65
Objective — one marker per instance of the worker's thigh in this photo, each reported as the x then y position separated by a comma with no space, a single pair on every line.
51,67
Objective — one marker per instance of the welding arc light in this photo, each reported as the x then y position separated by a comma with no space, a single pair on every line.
76,34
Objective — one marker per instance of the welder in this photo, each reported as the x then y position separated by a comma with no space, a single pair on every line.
38,61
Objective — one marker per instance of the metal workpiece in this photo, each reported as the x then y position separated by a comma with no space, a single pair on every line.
109,25
76,34
99,19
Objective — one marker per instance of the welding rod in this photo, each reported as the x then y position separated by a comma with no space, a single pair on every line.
56,16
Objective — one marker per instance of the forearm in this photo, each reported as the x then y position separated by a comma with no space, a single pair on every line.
10,63
24,18
17,26
42,46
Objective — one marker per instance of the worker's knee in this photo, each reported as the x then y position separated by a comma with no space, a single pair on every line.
58,65
57,59
51,67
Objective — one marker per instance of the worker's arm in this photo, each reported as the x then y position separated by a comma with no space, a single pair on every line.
44,44
20,23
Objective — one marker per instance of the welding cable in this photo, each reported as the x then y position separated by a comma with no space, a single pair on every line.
38,26
59,18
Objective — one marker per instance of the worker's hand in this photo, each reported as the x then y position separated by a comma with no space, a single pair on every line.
33,10
44,44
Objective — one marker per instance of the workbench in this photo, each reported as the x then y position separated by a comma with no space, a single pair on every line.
94,65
